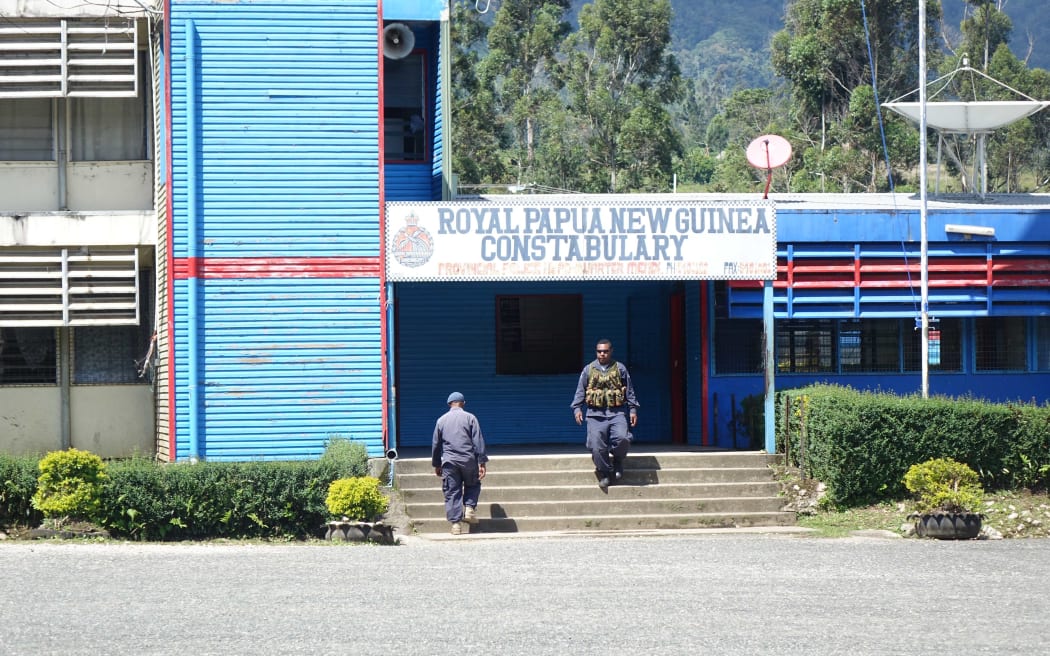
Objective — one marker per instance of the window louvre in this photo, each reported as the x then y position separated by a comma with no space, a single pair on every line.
54,58
69,287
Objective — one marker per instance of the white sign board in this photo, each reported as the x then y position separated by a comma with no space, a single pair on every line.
610,238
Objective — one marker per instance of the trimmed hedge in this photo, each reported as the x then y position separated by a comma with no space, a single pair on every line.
18,476
143,499
860,444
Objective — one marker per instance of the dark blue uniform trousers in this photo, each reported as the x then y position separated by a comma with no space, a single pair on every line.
608,439
462,487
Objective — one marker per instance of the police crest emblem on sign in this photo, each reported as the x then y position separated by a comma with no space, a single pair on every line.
413,245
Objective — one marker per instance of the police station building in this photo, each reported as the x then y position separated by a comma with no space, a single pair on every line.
711,302
306,269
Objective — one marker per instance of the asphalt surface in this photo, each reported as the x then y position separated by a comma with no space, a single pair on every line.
698,593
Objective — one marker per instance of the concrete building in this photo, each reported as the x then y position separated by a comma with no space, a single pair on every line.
78,225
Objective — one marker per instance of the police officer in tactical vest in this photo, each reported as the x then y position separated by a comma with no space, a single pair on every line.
605,395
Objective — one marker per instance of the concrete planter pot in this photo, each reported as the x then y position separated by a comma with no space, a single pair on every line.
345,530
948,526
68,531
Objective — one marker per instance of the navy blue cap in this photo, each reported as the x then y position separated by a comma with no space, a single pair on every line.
455,396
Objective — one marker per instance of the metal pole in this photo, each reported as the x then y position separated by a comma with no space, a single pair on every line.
924,257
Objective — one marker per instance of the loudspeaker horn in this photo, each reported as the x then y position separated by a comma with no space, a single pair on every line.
398,41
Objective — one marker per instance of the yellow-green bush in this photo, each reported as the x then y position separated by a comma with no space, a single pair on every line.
946,485
70,485
358,498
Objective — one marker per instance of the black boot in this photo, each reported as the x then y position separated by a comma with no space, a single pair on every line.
603,480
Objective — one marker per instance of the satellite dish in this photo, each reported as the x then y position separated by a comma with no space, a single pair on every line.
398,41
768,152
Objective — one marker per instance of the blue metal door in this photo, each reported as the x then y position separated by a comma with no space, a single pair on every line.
647,356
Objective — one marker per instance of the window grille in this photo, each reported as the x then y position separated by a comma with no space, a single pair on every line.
55,58
951,331
869,345
28,356
1000,344
805,346
111,354
1042,343
69,287
738,346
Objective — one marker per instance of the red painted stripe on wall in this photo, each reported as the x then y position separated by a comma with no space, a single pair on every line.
276,267
944,272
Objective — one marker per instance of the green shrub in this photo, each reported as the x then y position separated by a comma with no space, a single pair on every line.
144,499
70,485
17,485
150,500
945,485
180,501
357,498
344,458
860,444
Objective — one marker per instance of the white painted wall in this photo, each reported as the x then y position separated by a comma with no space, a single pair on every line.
90,186
29,186
30,420
112,421
109,185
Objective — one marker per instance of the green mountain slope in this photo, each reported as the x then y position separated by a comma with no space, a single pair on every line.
726,42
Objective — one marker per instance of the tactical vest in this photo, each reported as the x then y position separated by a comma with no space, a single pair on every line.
604,388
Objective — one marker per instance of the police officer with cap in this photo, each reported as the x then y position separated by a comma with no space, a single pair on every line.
458,457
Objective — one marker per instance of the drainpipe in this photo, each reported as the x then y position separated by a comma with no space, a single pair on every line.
447,190
60,110
768,334
63,359
192,345
391,415
64,363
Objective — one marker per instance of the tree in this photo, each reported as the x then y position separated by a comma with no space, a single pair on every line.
522,44
985,30
561,157
477,129
615,69
1015,154
823,50
746,114
1020,148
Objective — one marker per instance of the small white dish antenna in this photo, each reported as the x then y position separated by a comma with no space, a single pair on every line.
768,152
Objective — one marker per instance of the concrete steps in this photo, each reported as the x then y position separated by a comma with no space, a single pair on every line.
558,492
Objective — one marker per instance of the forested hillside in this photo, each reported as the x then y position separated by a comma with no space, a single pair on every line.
651,95
728,41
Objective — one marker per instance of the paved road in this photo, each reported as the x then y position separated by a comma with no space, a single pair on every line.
667,594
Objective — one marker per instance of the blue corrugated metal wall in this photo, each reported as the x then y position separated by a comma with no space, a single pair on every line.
287,134
286,114
870,235
408,181
446,342
286,365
